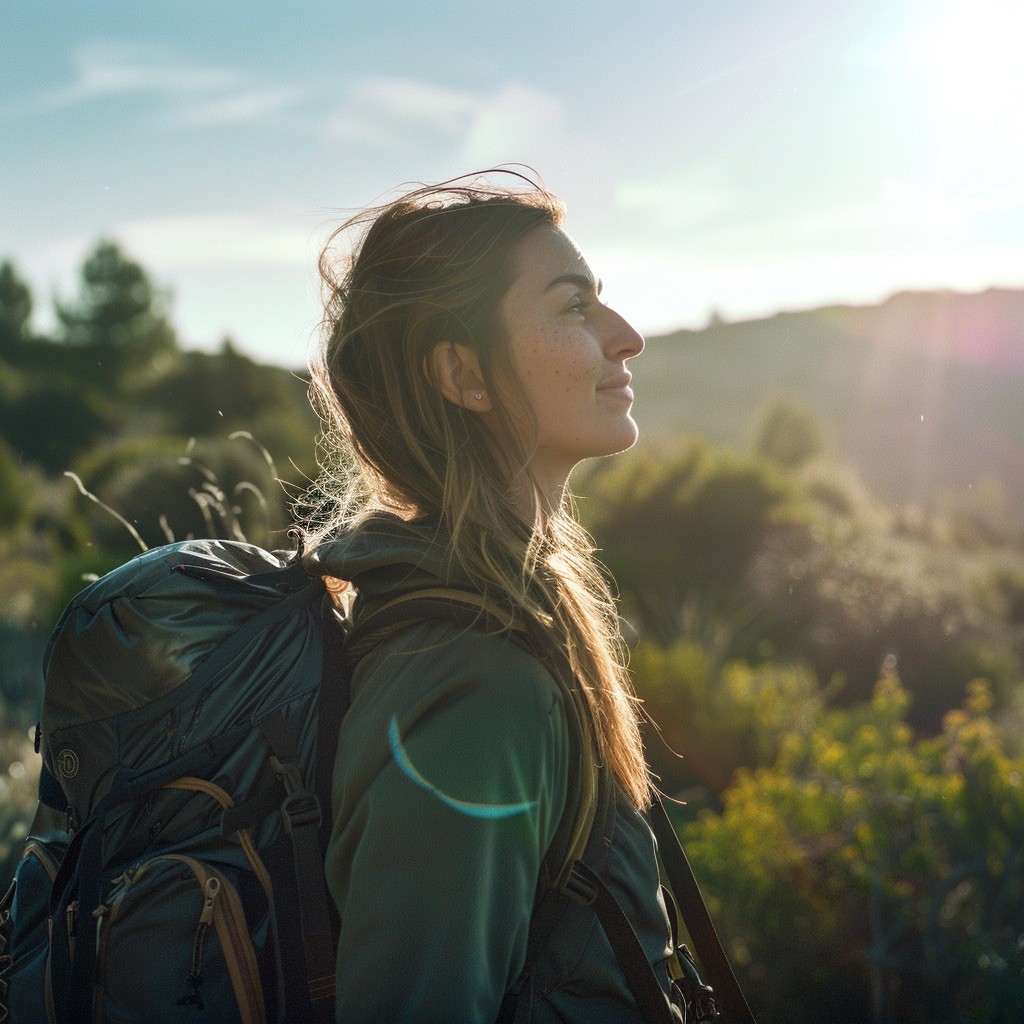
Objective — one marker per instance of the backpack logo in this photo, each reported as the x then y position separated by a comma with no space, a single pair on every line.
67,763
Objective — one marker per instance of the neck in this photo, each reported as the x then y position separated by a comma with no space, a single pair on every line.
548,483
538,495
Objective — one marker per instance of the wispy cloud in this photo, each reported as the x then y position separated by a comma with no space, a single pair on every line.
393,113
242,107
695,196
105,69
215,240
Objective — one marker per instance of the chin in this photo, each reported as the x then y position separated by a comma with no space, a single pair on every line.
624,439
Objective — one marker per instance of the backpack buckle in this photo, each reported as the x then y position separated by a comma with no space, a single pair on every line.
300,807
700,998
577,886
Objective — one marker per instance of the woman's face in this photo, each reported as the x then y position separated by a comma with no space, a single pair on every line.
569,353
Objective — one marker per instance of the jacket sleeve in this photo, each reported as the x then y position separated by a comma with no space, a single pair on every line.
450,781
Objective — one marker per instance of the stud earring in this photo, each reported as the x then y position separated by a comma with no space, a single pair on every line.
479,396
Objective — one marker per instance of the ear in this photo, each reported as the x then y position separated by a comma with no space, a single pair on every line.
456,370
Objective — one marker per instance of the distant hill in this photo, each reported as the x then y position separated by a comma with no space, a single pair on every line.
923,393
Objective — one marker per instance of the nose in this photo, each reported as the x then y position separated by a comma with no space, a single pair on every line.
623,340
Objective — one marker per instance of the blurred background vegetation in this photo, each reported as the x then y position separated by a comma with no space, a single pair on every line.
832,669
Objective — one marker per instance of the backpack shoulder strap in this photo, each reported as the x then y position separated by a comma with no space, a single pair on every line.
709,949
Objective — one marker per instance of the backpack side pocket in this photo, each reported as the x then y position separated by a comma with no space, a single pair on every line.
28,992
205,962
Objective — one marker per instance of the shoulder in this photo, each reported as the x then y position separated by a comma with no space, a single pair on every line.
447,719
437,664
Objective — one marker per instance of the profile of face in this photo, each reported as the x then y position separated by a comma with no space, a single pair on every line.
569,352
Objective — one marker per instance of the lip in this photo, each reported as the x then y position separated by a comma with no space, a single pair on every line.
623,392
618,385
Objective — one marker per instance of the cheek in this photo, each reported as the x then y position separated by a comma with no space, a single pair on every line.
552,362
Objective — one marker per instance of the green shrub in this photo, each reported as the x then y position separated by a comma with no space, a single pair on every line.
868,875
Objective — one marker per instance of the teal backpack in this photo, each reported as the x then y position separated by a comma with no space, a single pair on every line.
190,718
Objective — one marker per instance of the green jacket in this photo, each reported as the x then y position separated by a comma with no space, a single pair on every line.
449,784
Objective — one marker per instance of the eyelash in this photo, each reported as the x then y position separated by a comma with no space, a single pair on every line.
578,306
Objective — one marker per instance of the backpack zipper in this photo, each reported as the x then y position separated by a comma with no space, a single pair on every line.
221,907
191,784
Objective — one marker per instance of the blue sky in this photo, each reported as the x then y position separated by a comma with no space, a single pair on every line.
742,157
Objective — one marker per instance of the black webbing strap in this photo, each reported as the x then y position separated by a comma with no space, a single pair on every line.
6,960
79,875
301,819
553,902
716,967
649,996
332,704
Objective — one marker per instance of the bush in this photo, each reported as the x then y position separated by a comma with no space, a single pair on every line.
710,719
678,525
168,489
851,599
867,875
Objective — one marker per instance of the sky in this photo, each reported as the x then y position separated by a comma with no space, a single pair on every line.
727,157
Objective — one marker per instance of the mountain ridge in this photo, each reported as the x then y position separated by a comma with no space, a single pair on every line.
923,392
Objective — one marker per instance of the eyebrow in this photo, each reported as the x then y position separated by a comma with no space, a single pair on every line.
580,280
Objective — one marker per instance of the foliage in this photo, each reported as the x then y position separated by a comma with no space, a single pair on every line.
868,875
120,319
676,524
789,436
757,561
19,782
15,308
708,719
169,489
850,598
206,395
51,422
14,490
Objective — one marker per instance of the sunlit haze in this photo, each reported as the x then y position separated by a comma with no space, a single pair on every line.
735,157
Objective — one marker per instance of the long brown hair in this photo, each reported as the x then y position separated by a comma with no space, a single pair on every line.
432,266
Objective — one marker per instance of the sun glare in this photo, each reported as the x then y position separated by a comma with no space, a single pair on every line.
969,56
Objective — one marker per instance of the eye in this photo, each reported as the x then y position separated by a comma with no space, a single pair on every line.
579,305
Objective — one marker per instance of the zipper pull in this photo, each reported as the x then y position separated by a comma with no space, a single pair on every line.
212,891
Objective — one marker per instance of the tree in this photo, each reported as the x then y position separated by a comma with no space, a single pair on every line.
119,323
204,395
15,308
50,421
789,436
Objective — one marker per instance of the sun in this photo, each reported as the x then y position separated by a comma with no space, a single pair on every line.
969,57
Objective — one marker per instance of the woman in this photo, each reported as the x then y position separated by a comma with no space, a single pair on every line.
468,365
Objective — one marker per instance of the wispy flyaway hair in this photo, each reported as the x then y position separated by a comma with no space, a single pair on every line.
432,266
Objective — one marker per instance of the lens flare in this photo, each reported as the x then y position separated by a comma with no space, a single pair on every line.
474,810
